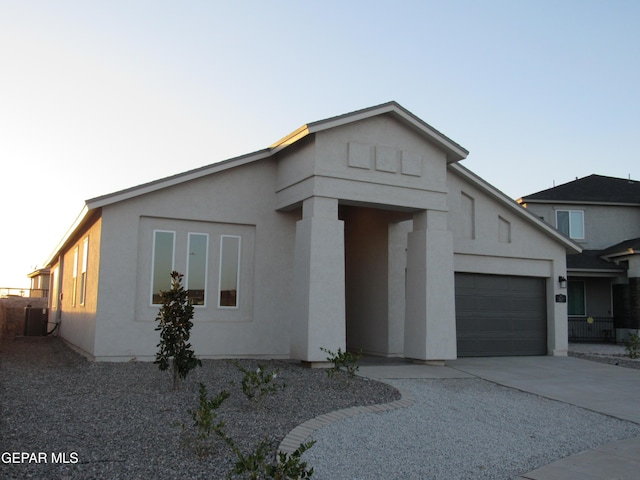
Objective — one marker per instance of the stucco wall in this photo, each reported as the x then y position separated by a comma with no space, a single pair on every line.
239,201
401,207
603,225
373,161
501,242
77,322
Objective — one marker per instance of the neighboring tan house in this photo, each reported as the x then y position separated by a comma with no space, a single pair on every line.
39,282
361,231
601,214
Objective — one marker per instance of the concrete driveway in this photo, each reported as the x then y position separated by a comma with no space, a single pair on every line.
595,386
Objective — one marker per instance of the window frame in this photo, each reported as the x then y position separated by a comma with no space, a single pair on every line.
584,298
570,233
153,261
83,271
206,267
74,276
220,269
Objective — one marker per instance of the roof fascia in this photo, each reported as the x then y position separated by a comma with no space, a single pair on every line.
585,272
569,244
454,151
80,219
577,202
166,182
293,137
625,253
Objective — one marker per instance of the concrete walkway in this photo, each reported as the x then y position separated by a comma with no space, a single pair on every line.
602,388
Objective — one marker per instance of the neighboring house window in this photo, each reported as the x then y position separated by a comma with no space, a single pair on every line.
571,223
197,268
576,298
83,271
75,277
229,270
163,251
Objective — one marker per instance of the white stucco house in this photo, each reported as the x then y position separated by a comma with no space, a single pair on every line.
361,231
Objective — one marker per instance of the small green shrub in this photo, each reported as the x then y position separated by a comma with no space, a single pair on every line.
258,383
205,415
204,421
257,466
290,466
346,362
632,344
175,324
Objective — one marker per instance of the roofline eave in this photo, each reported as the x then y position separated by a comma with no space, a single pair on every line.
110,198
82,216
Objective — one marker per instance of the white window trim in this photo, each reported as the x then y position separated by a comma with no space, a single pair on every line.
153,263
76,252
83,271
237,306
571,211
206,266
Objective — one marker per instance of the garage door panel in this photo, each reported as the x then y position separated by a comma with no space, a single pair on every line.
500,315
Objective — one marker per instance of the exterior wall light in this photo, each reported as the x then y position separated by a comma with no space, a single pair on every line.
562,281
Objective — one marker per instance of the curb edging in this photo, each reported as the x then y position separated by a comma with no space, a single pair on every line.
302,432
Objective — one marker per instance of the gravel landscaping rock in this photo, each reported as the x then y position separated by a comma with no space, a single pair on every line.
122,421
460,429
612,354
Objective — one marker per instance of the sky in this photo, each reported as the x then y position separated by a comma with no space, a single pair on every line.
98,96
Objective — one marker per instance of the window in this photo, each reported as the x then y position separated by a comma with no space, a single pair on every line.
83,271
229,270
163,250
197,268
571,223
576,298
75,277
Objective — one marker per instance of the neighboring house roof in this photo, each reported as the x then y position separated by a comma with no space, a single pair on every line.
627,247
596,189
590,260
39,271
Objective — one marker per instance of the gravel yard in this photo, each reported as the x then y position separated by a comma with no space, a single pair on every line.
460,429
121,421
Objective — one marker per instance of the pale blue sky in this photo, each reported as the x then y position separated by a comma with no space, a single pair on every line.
100,96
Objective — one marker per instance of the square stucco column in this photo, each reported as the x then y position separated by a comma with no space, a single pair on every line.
318,303
430,319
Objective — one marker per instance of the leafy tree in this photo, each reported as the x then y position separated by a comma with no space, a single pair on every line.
175,325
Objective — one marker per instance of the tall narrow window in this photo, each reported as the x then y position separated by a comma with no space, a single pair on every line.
74,285
83,271
197,268
576,298
163,248
571,223
229,270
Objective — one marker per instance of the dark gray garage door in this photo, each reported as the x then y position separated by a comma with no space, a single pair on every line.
500,315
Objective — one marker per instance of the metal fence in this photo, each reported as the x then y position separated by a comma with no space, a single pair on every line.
592,329
23,292
17,292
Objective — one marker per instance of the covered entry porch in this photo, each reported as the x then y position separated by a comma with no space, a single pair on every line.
378,280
